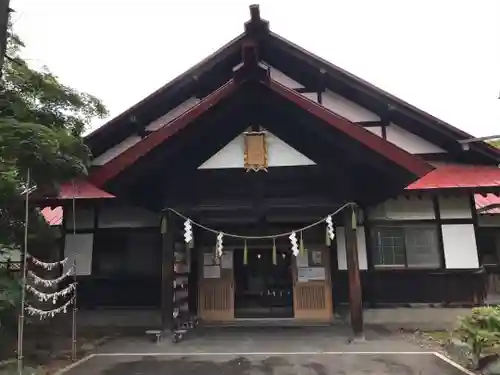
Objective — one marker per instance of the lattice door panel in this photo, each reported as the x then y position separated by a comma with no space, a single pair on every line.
216,300
311,297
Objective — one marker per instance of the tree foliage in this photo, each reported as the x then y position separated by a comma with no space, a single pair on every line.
41,123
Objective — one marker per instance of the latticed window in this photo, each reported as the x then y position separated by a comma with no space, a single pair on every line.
405,246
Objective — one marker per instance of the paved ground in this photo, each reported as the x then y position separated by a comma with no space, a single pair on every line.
269,339
267,351
296,364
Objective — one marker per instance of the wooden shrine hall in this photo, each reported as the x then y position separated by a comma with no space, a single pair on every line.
263,138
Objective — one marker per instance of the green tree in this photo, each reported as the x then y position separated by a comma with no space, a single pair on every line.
41,126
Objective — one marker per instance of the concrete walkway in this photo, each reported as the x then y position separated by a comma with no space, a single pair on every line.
272,364
267,351
268,339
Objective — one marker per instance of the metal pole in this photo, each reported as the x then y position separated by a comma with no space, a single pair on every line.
73,325
20,327
4,21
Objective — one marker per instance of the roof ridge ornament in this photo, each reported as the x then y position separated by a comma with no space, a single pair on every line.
256,26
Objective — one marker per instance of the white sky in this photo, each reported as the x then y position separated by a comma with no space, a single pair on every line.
442,56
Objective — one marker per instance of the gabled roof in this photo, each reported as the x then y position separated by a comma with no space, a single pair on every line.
292,60
255,75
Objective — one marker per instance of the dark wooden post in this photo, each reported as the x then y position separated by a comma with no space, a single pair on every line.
355,297
167,271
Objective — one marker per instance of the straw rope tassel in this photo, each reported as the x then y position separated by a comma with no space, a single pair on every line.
301,245
353,220
274,252
163,225
245,254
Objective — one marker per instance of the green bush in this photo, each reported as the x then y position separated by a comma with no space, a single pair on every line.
10,298
480,331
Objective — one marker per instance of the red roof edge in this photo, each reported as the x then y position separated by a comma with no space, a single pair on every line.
456,176
131,155
81,189
406,160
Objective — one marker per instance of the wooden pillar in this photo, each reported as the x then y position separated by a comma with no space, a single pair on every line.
167,271
355,297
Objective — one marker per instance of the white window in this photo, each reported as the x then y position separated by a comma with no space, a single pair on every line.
408,246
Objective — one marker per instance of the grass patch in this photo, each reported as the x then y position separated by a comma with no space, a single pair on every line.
440,337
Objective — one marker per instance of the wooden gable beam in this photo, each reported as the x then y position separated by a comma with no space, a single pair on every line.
410,162
131,155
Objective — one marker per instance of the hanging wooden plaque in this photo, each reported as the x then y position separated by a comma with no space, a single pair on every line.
255,151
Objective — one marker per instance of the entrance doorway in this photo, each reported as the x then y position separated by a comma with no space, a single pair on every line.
263,289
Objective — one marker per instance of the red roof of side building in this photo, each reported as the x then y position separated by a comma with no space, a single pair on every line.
456,176
485,201
81,190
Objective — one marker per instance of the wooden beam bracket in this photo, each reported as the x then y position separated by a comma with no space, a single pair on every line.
251,69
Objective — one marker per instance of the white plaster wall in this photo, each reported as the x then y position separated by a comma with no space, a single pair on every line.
172,114
283,78
345,108
341,251
460,249
84,218
116,150
377,130
230,156
409,141
78,247
311,96
403,208
488,220
455,207
280,154
126,217
334,102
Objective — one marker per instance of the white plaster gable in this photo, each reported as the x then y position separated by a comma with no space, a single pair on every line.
280,154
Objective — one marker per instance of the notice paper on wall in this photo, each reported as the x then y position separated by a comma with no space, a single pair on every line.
211,272
227,260
208,259
317,258
311,273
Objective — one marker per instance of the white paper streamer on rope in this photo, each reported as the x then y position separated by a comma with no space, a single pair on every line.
293,241
49,282
219,245
329,227
51,296
48,313
48,266
188,231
